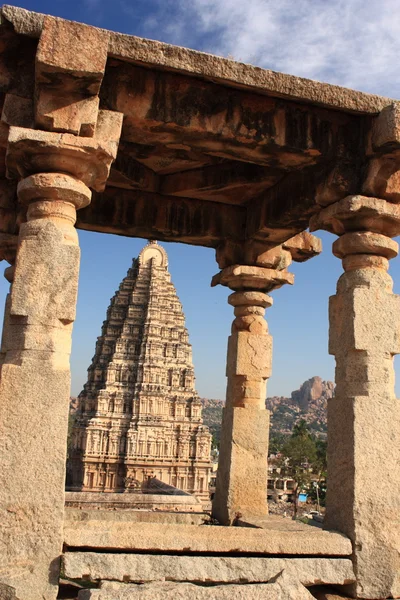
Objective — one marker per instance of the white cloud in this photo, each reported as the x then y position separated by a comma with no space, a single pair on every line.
355,43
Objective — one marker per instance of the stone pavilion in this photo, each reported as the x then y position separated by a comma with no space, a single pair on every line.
139,415
117,134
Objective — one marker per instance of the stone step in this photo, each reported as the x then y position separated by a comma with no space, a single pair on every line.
284,587
283,537
144,568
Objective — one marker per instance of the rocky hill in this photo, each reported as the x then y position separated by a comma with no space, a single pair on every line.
309,402
212,416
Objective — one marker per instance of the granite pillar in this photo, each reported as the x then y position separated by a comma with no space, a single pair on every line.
35,385
363,498
241,488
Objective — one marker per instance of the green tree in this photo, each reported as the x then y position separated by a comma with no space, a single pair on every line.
276,443
318,490
299,455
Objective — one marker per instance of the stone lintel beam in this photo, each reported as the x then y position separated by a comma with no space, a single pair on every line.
128,173
364,415
88,159
285,209
70,63
165,107
155,54
149,215
208,181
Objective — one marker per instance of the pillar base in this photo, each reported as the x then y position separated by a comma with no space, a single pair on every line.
242,470
34,403
363,493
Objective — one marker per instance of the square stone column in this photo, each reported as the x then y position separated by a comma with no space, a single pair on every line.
363,499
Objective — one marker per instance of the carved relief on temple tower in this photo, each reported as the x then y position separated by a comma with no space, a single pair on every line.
139,414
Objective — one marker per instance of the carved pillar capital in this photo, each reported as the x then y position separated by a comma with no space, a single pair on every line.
359,213
31,151
365,227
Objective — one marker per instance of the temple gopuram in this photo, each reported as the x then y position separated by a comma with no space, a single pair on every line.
139,415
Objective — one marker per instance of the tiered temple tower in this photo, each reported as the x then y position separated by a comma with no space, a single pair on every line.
139,414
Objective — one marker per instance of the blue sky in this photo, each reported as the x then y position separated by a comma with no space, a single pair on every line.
354,43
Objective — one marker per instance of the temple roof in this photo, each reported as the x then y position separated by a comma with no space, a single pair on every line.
204,150
152,53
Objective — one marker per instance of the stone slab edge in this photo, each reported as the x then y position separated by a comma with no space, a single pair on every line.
133,499
144,568
214,68
283,587
204,538
127,514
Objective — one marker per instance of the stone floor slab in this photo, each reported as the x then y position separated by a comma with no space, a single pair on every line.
143,568
136,516
282,538
283,587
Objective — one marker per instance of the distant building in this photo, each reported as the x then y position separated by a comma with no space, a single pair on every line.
139,415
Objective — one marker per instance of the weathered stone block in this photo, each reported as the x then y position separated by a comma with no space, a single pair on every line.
71,54
283,587
143,568
360,296
303,246
363,451
383,178
18,111
249,355
242,469
108,128
67,113
140,511
386,128
262,255
34,400
281,537
41,248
